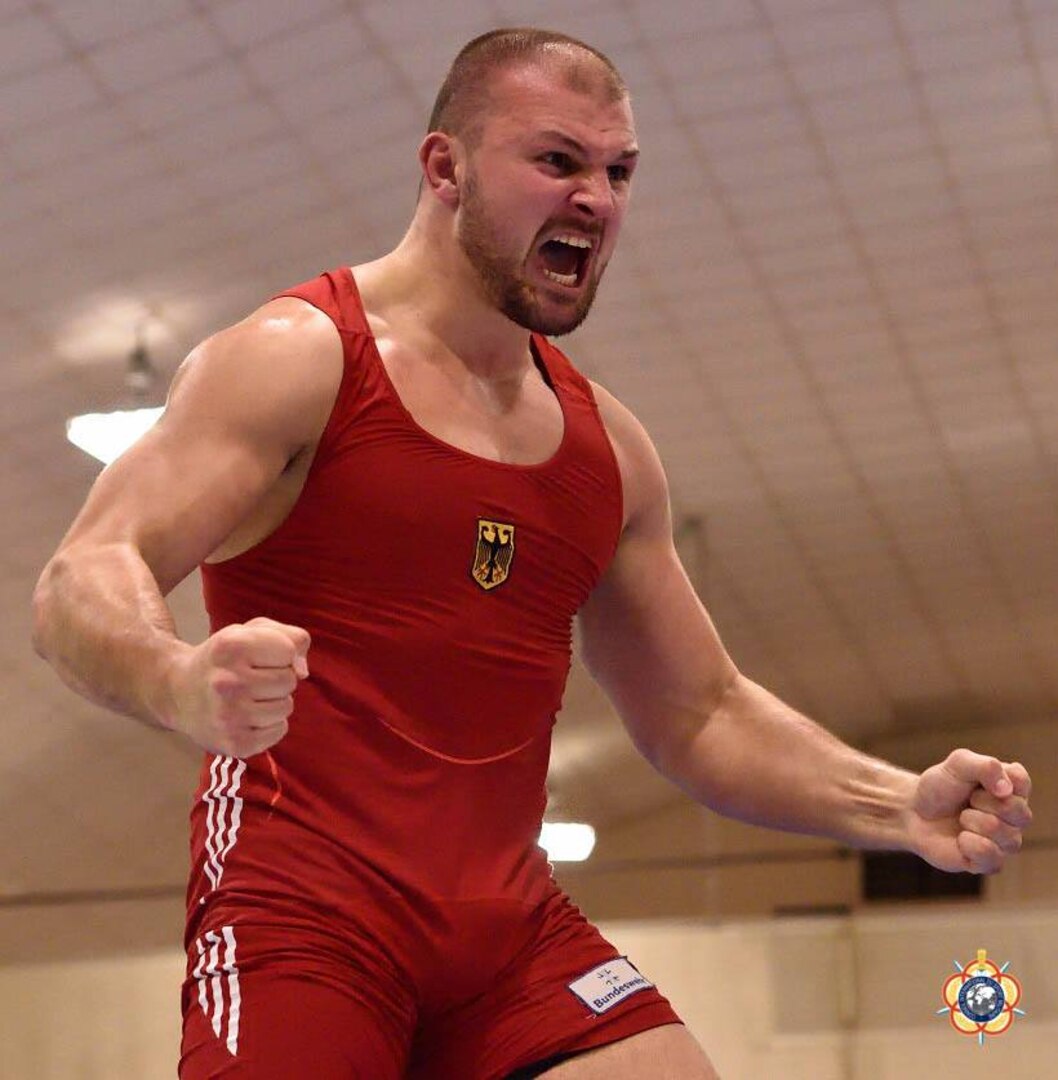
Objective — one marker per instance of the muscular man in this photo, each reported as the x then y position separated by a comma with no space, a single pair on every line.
402,494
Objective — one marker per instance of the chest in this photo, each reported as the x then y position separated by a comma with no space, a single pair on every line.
514,421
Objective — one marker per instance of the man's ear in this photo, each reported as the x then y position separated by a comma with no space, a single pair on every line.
440,157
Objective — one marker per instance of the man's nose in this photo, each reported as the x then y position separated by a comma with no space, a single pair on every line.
595,195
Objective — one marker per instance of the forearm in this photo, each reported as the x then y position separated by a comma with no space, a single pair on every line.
101,622
756,759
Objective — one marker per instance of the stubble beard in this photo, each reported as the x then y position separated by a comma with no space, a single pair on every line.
502,277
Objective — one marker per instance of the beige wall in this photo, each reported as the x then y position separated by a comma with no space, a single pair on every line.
852,998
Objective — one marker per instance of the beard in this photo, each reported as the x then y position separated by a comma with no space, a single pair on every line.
503,278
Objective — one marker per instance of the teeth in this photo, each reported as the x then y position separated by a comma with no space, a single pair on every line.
573,241
562,279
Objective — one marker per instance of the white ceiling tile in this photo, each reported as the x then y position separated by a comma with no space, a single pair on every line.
1042,26
845,71
1019,259
962,297
240,124
906,206
25,239
1049,73
987,87
293,198
819,226
993,133
931,16
206,90
809,194
761,88
51,144
610,33
849,149
767,165
858,28
245,169
156,55
249,22
939,330
866,111
690,19
974,46
44,95
340,86
921,240
391,23
1030,185
804,293
694,56
28,43
744,130
921,172
323,43
139,203
926,269
90,23
809,261
828,319
99,175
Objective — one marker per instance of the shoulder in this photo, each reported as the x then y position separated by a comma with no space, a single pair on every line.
642,474
279,368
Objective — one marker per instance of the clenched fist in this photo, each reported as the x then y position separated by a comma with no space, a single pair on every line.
233,693
968,812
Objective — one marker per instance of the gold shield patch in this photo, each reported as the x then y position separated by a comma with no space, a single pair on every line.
494,553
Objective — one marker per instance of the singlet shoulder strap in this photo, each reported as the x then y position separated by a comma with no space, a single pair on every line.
333,292
564,376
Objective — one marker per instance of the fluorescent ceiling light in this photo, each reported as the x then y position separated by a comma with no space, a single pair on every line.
107,435
567,841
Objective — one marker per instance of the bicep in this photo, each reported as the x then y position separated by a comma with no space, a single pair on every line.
650,644
644,634
237,413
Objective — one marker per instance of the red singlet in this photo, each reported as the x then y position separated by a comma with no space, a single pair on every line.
384,853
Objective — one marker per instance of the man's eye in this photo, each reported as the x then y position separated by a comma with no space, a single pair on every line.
619,174
558,160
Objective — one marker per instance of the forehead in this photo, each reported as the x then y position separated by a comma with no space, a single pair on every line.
575,97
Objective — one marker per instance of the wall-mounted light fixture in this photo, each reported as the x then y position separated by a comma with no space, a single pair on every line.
106,436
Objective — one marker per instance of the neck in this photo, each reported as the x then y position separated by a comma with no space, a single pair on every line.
427,283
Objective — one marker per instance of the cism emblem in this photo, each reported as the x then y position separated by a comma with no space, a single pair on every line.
494,553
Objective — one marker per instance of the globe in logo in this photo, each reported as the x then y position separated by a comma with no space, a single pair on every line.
981,999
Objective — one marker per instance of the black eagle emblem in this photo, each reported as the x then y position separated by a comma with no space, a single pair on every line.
494,553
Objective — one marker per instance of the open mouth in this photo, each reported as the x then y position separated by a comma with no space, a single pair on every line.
565,259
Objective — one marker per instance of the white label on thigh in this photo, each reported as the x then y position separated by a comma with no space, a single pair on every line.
608,985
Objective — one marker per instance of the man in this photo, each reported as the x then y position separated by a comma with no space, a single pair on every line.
402,494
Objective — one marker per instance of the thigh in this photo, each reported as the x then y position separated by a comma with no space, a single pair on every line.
663,1053
566,992
275,1005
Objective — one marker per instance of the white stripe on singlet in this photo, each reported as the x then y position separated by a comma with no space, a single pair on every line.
235,995
221,829
209,973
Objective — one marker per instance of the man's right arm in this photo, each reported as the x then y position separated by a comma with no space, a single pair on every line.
242,408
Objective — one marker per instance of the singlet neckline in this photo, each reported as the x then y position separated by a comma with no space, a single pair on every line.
539,359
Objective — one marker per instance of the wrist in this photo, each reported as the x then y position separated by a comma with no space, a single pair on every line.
164,692
883,800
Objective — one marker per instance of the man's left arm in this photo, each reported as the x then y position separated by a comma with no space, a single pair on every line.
735,747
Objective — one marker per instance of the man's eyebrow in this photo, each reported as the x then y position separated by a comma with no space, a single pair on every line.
573,144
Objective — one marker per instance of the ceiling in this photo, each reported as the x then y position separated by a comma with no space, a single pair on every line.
834,307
